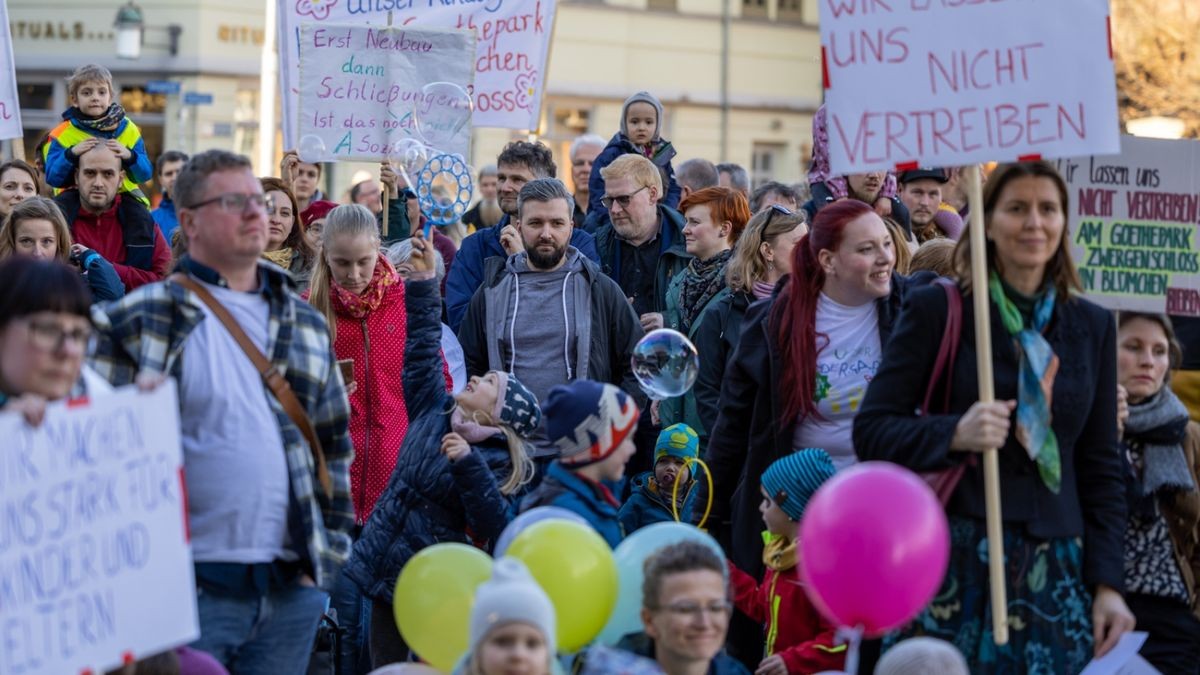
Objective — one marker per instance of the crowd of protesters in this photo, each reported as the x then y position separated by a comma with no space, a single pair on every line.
437,386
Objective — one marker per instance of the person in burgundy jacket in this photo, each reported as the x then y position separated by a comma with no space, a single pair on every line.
798,639
116,226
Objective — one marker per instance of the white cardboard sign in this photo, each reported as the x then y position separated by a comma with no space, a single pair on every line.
512,45
1133,225
953,82
10,106
364,90
95,566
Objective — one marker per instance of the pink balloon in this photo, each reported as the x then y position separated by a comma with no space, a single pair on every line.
874,547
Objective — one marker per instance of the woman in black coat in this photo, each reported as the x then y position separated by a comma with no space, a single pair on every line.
758,416
1063,512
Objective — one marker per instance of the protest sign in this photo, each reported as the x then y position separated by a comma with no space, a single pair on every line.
365,89
512,43
95,568
10,107
1133,225
952,82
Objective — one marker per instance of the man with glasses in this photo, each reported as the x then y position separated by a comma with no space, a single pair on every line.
519,163
116,226
269,509
685,612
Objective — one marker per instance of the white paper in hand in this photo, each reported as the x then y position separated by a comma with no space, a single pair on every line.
1123,659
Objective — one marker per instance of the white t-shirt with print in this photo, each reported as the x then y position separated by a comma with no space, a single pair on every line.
845,367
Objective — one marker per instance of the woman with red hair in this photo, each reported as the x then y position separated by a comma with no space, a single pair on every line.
802,367
713,220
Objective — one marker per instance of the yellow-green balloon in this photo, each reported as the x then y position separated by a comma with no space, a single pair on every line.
575,567
433,598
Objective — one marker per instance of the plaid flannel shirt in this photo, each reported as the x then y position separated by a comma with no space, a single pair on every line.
147,330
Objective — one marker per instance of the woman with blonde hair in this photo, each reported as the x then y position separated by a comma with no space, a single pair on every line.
36,227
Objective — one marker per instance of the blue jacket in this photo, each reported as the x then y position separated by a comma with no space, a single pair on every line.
166,218
466,274
620,144
428,500
648,505
101,277
564,489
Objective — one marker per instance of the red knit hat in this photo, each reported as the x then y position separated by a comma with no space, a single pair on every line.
316,211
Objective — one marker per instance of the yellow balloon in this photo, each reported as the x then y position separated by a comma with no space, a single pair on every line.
433,598
575,567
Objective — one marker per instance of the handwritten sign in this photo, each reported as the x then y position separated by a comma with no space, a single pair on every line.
952,82
10,106
1133,225
95,567
365,90
512,43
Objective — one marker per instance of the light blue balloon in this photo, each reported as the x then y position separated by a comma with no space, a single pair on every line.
630,556
534,515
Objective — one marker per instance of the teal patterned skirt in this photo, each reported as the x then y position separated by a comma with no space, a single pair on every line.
1049,607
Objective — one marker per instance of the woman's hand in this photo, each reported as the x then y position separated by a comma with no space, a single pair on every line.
984,427
288,166
30,406
454,447
1122,409
390,179
1111,619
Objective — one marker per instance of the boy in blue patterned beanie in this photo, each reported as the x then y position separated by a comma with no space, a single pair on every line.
591,424
650,500
799,639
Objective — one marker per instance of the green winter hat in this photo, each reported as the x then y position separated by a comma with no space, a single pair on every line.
677,440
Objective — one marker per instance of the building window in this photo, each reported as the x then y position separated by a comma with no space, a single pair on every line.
137,101
765,161
791,10
754,9
661,5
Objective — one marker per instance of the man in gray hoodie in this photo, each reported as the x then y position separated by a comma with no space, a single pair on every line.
548,314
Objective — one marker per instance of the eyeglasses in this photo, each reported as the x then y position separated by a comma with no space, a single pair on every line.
49,336
236,202
623,200
694,610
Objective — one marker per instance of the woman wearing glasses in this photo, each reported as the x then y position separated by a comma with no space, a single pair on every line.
35,227
45,328
287,246
803,363
713,220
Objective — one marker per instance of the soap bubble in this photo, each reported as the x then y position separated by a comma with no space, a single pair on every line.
665,363
311,149
442,114
408,156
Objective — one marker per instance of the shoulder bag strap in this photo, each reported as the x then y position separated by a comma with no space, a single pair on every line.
271,377
948,349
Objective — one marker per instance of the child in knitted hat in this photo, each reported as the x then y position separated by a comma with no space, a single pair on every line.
591,424
512,625
650,499
462,466
799,639
640,134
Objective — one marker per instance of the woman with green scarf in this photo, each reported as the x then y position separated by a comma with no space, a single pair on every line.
1054,423
713,220
1162,551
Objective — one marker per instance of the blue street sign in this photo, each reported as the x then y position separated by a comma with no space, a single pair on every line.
162,87
196,98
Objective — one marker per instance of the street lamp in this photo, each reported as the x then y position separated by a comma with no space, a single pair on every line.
131,27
